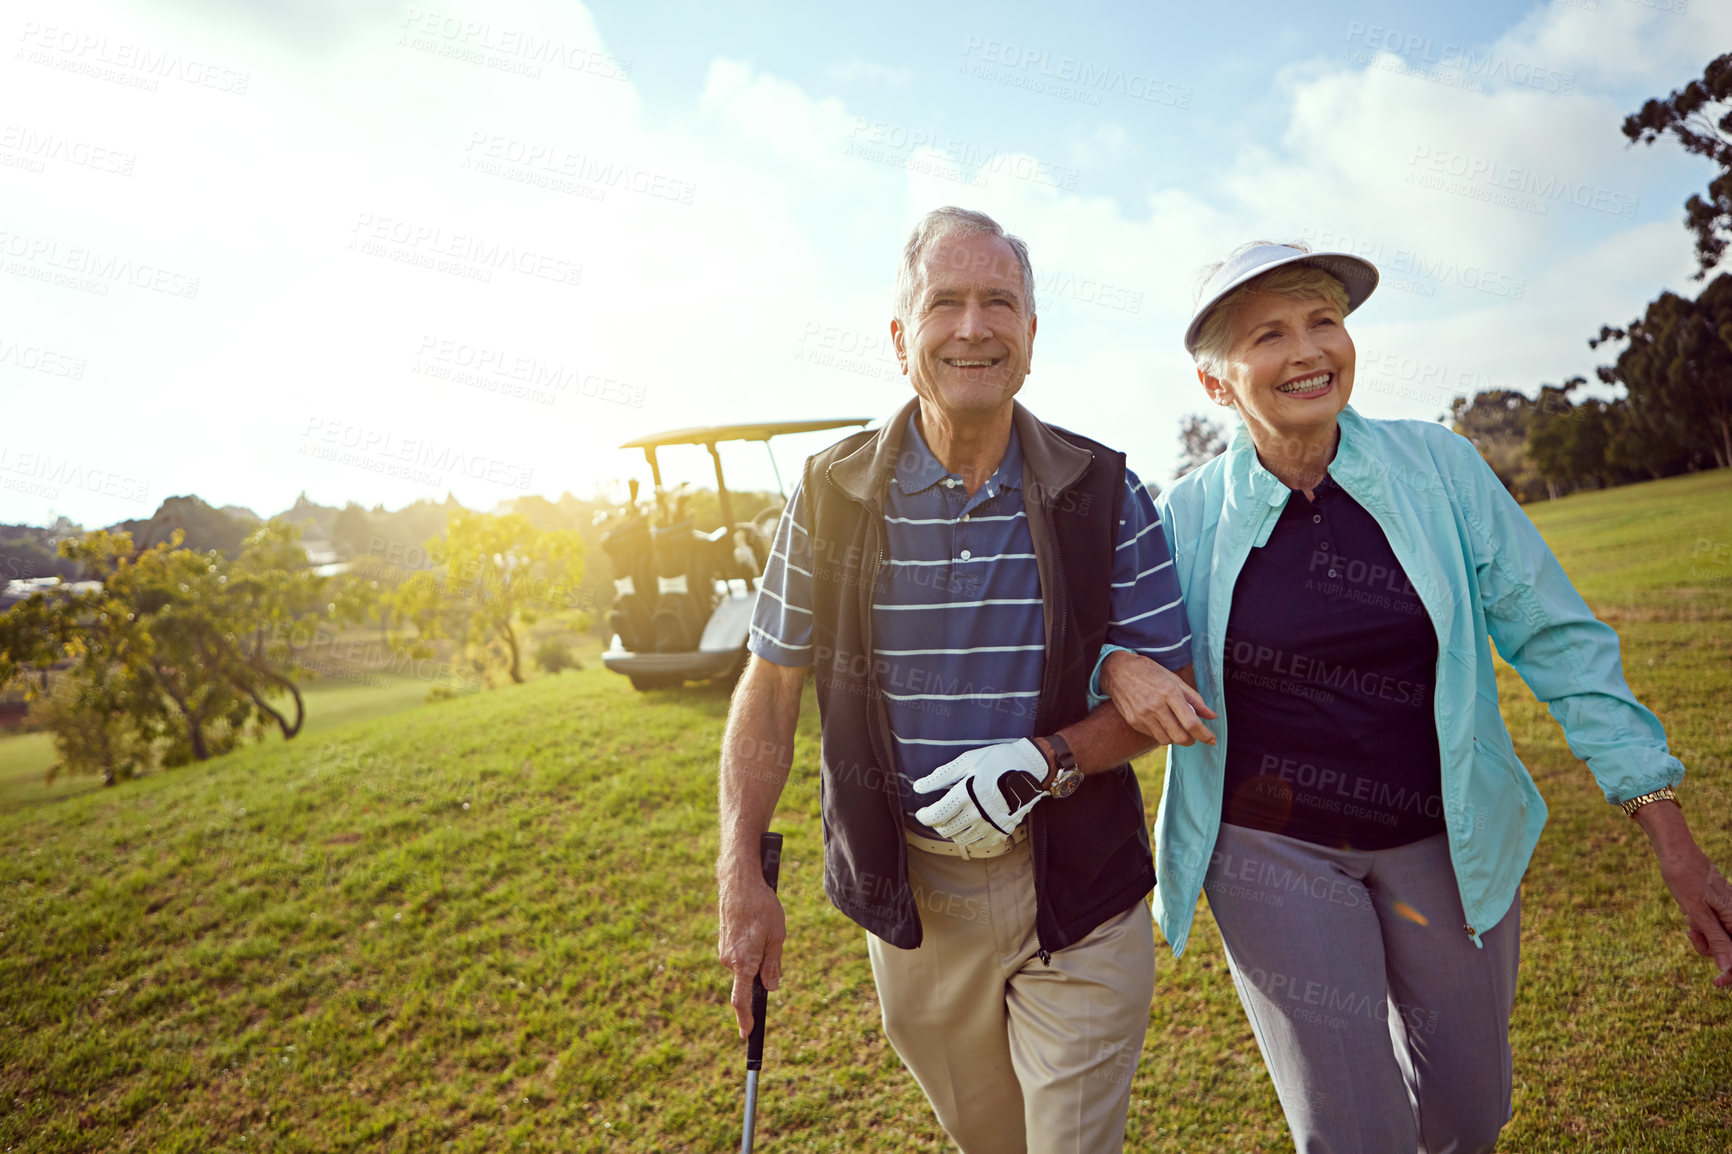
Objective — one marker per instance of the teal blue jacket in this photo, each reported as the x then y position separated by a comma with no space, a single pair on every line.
1484,575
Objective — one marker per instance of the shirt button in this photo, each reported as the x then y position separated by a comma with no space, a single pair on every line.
966,554
1317,518
1332,572
1323,545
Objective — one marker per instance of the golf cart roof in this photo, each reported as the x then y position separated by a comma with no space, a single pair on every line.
762,431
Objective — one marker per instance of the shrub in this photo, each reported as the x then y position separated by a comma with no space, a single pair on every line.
90,736
554,655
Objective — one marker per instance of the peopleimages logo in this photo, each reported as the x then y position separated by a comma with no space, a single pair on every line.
1410,261
43,258
34,149
458,253
549,165
414,458
502,370
1429,167
121,61
55,472
41,360
1066,77
897,145
508,49
1482,64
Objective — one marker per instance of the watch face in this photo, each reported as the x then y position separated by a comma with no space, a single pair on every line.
1065,783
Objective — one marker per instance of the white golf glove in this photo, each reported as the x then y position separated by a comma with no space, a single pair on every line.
991,789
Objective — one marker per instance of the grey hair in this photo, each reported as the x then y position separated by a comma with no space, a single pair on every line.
1298,281
940,223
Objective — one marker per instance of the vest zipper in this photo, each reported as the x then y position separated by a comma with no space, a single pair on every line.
875,518
1047,694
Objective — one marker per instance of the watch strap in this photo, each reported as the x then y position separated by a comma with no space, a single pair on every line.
1664,793
1067,776
1061,754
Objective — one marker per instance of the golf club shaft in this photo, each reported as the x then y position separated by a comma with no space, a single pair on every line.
770,857
751,1111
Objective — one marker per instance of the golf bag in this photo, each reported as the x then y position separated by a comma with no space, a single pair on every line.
632,614
686,570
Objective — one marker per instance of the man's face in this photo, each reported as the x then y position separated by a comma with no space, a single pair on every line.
970,334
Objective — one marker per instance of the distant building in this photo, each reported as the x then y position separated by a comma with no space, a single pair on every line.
20,588
319,550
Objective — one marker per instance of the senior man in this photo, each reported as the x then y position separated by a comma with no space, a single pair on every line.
952,576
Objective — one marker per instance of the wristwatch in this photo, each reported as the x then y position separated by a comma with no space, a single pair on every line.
1664,793
1069,776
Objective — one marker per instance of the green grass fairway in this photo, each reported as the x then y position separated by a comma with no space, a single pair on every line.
487,925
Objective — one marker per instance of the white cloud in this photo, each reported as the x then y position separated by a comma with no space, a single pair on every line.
747,275
855,71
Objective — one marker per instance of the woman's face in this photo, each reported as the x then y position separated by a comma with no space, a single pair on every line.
1289,369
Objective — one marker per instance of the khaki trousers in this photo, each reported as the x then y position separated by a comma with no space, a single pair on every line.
1014,1053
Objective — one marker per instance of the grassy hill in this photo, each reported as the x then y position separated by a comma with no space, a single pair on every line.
487,924
25,758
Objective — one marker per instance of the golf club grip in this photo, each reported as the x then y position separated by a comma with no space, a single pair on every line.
770,857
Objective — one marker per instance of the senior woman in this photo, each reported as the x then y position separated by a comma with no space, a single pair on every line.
1356,812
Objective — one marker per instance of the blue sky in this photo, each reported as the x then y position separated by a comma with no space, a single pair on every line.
381,251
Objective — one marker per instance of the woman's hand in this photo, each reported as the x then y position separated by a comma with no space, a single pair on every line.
1153,699
1699,889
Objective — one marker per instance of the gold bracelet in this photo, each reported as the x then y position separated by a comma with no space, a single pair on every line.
1664,793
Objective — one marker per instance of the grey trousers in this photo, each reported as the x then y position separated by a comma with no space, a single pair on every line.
1384,1027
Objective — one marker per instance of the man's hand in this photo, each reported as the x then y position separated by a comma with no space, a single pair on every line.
1154,699
756,752
749,941
991,789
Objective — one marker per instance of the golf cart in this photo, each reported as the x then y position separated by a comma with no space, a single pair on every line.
683,599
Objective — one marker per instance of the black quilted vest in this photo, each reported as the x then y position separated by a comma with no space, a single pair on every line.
1091,850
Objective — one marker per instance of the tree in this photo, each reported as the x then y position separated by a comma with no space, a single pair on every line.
92,731
1699,117
1496,421
1569,443
1200,441
1676,366
187,648
352,531
26,551
492,575
1550,438
1703,372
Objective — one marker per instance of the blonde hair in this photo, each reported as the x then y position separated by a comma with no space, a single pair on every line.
1294,281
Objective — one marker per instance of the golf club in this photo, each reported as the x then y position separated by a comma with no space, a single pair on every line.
770,856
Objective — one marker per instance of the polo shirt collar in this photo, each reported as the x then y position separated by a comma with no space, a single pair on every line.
1350,461
918,469
1053,463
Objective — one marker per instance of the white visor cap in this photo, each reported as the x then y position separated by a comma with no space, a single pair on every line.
1357,274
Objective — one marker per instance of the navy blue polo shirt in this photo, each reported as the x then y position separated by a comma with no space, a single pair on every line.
957,622
1329,670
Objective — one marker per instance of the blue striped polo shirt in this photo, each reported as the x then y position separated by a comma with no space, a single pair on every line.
957,621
